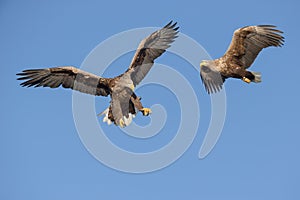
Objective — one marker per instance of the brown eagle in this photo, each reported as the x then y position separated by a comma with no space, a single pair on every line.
246,44
124,102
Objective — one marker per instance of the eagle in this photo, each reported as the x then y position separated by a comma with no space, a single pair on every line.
246,44
124,102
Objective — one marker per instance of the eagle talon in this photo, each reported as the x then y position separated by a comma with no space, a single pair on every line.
146,111
247,80
122,123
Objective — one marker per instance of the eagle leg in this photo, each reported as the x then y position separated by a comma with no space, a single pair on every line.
138,105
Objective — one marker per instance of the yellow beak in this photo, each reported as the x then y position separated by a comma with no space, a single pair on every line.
132,87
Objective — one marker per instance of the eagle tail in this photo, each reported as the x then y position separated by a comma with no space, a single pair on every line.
106,119
257,77
127,120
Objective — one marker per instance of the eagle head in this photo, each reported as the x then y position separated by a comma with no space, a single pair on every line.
204,63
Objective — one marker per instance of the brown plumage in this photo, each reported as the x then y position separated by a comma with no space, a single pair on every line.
246,44
124,101
67,77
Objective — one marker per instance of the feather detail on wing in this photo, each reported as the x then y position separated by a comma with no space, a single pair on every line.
149,49
248,41
212,80
67,77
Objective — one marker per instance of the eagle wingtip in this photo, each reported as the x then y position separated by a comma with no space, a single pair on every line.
172,25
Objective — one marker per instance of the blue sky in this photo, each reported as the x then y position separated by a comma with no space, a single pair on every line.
42,156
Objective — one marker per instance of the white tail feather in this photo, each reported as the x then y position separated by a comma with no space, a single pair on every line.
127,120
257,77
105,118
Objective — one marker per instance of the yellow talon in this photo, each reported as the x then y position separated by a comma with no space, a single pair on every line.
247,80
146,111
121,123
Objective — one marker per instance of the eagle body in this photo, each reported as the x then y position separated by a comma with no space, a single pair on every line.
246,44
124,102
234,71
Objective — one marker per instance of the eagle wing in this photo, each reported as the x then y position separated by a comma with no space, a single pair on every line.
248,41
212,79
67,77
149,49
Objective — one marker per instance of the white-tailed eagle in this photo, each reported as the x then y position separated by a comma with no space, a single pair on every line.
124,101
246,44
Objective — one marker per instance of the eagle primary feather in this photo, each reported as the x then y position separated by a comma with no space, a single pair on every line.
67,77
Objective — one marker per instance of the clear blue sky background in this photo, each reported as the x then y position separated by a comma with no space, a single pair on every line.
42,157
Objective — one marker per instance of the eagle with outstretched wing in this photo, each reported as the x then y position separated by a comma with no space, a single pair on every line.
246,44
124,102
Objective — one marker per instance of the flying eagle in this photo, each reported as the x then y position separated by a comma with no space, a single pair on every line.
246,44
124,101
